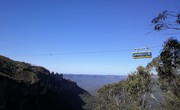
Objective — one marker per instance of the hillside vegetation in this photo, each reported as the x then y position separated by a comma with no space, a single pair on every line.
141,91
27,87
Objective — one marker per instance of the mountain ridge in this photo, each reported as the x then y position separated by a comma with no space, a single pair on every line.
25,86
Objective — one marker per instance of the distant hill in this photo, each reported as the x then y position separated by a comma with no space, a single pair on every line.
92,83
27,87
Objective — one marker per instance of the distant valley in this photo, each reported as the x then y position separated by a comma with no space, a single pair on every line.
92,83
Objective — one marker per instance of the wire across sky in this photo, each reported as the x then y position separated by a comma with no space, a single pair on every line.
82,52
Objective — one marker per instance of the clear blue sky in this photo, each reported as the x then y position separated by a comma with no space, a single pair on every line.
31,28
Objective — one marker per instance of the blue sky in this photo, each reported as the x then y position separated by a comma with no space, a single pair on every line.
29,29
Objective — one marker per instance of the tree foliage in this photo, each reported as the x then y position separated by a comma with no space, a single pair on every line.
169,70
167,20
169,73
154,64
170,58
131,93
127,94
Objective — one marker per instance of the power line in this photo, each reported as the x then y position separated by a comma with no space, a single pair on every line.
74,53
83,52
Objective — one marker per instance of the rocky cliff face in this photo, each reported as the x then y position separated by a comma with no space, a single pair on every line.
27,87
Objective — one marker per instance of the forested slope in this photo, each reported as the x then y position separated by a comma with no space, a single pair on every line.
27,87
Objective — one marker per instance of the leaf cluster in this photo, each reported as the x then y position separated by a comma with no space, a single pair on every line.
170,58
166,20
127,94
169,73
